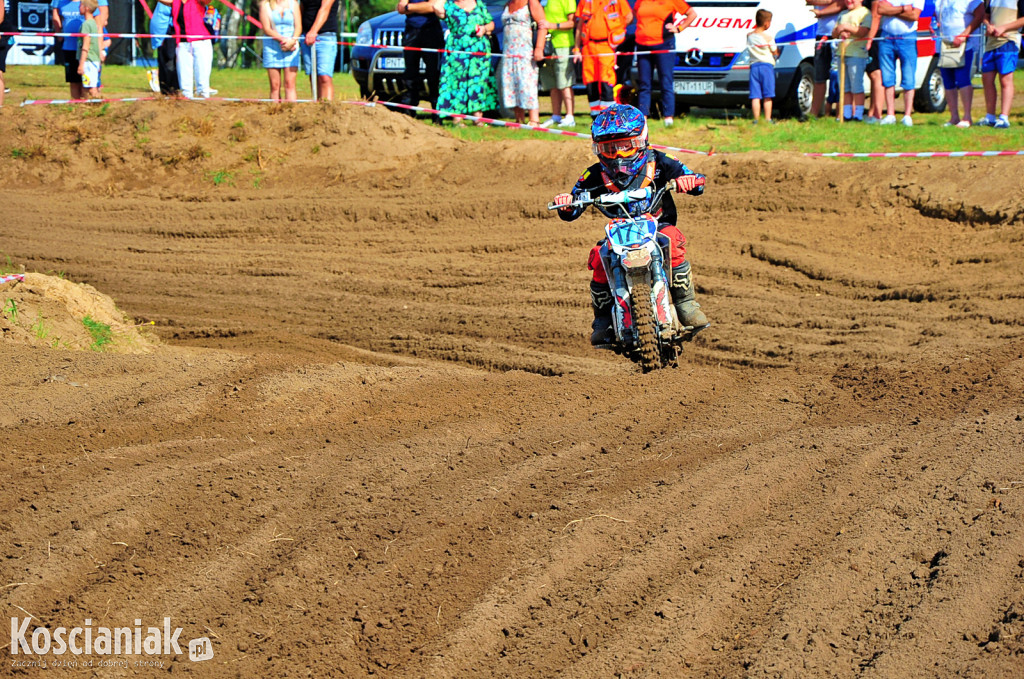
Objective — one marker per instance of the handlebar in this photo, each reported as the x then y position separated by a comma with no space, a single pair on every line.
622,197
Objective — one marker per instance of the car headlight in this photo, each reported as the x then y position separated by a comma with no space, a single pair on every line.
743,59
364,36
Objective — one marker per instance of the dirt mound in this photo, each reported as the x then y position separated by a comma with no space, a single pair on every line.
375,439
149,144
49,311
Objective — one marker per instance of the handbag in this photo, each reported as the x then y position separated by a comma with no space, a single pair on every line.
951,56
549,49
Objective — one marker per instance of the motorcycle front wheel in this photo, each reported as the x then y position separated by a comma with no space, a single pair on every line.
643,320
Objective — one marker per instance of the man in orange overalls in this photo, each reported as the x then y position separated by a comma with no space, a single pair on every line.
600,28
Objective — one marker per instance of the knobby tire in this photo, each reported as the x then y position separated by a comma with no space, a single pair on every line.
643,320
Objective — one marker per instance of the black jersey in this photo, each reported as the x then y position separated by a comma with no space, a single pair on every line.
659,171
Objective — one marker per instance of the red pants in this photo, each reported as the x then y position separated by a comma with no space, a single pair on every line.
668,235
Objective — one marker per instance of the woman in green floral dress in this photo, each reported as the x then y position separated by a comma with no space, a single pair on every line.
466,82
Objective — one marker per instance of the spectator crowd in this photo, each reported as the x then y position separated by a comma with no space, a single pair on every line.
547,44
873,38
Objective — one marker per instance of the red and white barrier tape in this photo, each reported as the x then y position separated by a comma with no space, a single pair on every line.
41,102
12,277
344,43
37,102
919,154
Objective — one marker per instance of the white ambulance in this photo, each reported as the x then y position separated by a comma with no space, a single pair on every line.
712,67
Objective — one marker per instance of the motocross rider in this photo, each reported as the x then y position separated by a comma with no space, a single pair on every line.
626,162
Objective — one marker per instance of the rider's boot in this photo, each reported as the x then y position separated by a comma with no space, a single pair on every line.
687,309
601,301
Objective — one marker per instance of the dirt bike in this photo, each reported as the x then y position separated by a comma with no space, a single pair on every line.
647,329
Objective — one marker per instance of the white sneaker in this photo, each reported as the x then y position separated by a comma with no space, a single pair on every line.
211,93
907,121
888,120
553,120
154,80
669,122
567,121
963,124
871,120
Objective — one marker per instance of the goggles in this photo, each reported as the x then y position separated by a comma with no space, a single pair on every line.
619,148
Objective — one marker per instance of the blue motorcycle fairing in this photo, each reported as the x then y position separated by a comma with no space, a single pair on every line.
631,233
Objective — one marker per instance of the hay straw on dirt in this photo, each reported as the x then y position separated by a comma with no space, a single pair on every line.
595,516
25,612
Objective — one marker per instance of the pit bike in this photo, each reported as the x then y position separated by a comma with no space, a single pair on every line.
647,328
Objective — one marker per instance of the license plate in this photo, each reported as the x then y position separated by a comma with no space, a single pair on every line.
393,63
693,87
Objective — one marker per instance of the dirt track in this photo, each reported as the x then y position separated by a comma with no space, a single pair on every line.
375,440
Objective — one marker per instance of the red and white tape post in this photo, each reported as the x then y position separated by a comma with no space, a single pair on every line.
10,278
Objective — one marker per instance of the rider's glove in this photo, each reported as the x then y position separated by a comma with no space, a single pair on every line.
686,183
562,200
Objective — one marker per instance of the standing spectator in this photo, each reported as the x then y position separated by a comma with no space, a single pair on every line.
600,28
194,47
89,47
763,52
1002,24
874,71
6,25
657,23
518,65
899,41
166,68
853,26
67,18
102,14
422,29
557,74
320,19
466,82
827,12
958,19
282,22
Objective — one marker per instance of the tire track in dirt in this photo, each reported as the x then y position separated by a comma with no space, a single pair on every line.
371,473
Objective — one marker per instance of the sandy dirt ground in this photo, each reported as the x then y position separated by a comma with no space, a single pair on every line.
370,436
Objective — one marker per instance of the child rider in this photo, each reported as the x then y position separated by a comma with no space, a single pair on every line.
626,162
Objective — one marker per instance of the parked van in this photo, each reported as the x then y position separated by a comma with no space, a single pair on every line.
712,66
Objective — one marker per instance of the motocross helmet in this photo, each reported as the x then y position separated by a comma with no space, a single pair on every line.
619,134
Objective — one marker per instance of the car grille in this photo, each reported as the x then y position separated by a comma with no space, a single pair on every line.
389,37
708,60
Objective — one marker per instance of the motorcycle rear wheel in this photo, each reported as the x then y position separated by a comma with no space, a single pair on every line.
643,319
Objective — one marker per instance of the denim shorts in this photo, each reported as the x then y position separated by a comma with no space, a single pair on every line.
762,81
958,78
903,48
275,57
855,74
326,54
1002,59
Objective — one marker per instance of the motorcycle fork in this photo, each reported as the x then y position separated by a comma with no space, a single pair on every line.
661,300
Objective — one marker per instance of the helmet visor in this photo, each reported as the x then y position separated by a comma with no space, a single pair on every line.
620,148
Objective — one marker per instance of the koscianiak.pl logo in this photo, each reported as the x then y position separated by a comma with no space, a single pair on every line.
86,640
